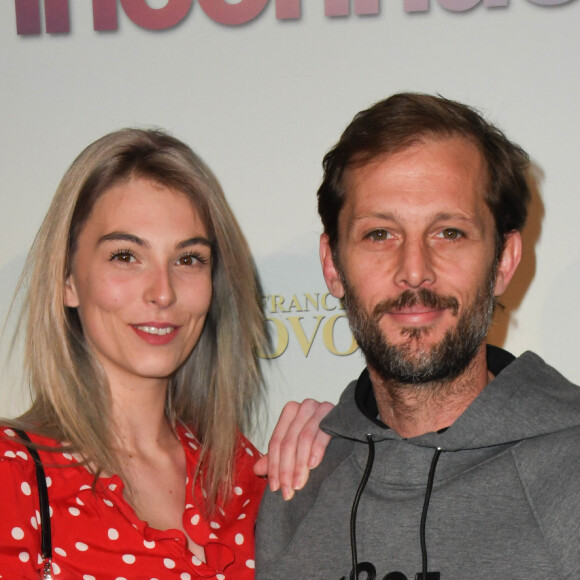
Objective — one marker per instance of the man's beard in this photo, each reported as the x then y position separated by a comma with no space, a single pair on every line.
408,362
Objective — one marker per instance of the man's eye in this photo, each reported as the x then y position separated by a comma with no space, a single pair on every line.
450,234
379,235
125,256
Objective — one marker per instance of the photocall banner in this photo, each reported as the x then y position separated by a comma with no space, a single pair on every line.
261,89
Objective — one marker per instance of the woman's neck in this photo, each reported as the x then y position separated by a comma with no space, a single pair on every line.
139,414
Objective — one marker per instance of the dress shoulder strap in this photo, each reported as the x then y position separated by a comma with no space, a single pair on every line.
46,535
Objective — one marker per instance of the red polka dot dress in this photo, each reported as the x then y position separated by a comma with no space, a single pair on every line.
98,536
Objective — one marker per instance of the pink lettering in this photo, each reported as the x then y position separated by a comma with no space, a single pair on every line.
336,8
459,5
287,9
56,16
156,18
416,5
233,14
27,17
363,7
227,12
550,2
105,15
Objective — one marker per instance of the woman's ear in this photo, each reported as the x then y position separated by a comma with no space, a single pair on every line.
71,298
329,269
508,262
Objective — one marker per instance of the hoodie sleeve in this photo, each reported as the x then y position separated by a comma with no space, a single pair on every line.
549,471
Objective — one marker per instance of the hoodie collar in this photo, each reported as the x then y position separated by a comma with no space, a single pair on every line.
526,399
497,360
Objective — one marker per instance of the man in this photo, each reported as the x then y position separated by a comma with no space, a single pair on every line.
449,459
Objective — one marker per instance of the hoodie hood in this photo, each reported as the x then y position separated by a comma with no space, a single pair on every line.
526,399
495,495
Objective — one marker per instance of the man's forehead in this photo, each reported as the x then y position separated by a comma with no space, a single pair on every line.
461,157
428,179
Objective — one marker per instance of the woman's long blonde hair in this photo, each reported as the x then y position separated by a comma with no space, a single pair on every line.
215,392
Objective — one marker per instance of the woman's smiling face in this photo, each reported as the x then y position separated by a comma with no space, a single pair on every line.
140,280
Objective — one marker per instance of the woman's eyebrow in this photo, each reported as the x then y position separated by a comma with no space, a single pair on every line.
194,242
123,237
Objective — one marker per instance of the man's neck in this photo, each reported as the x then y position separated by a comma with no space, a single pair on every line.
413,410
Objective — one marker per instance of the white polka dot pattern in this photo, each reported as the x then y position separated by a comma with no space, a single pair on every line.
99,535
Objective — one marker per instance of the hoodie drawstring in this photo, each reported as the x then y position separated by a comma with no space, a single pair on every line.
363,482
359,492
424,513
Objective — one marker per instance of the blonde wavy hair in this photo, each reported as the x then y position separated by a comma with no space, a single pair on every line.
216,391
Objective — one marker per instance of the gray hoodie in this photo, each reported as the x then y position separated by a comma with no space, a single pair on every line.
494,496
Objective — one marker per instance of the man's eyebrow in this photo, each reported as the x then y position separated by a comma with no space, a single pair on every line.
392,215
444,216
375,214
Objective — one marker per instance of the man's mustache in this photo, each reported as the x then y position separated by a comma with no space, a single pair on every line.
422,297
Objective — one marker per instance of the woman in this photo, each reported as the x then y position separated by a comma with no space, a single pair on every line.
143,328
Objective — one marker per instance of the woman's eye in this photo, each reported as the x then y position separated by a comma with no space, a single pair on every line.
125,256
450,234
379,235
191,259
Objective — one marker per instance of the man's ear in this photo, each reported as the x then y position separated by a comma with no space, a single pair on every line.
71,298
508,262
329,269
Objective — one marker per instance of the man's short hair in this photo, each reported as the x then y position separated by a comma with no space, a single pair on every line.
405,119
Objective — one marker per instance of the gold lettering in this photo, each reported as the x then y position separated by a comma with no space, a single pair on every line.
265,303
304,342
328,337
277,303
325,303
282,338
295,304
310,300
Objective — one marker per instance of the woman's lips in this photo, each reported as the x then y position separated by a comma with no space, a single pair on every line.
156,333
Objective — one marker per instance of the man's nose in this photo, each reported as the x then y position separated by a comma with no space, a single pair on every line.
414,264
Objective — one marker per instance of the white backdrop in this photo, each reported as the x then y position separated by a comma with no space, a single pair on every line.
262,102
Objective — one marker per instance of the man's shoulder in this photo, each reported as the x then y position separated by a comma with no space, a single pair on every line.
548,468
551,456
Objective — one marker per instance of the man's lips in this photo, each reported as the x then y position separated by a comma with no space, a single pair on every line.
416,316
